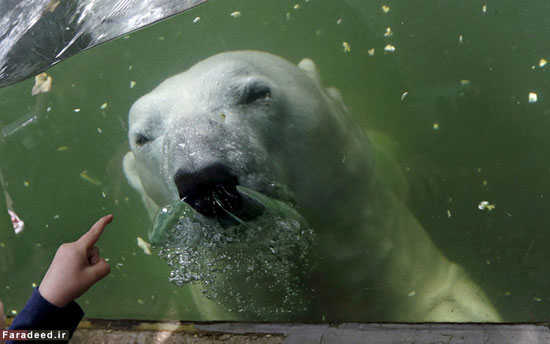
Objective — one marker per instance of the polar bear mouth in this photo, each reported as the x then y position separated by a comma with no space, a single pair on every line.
212,191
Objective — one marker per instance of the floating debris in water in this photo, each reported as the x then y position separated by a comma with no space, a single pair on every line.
13,312
464,82
48,109
26,184
140,301
130,67
287,15
196,20
385,8
34,285
16,222
538,299
56,217
76,110
84,175
484,183
389,48
412,293
346,46
388,32
296,7
460,39
542,63
435,126
235,14
484,9
62,149
448,213
406,93
144,245
339,21
42,84
103,106
52,5
533,97
371,52
161,38
99,130
485,205
132,84
19,123
126,37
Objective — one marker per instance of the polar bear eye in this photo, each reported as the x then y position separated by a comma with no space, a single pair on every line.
141,140
255,91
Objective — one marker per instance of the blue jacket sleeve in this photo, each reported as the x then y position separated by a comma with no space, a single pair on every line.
39,314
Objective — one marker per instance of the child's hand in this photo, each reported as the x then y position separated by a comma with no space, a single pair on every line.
75,267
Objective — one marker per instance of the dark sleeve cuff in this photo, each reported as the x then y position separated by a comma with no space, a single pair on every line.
39,314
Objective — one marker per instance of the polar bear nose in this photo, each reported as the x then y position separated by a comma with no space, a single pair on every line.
204,178
212,191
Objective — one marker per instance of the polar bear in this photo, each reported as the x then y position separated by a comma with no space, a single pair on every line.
252,118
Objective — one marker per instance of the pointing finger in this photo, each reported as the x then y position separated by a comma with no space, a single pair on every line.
90,238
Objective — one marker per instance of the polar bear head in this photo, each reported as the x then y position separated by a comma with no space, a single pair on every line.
245,118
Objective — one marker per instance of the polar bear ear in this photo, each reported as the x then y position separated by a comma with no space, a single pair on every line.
308,66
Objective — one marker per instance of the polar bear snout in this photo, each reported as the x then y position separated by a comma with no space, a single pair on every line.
189,183
212,191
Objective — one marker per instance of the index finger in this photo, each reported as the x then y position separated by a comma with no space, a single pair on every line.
90,237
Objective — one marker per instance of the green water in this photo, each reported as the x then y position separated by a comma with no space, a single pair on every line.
457,144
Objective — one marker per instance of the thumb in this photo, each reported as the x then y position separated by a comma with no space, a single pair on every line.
99,270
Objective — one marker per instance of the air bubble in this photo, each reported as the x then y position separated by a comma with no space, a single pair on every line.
243,267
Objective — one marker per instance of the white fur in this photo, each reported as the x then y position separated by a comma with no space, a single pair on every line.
379,260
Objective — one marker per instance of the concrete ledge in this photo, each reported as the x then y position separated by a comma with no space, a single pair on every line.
121,331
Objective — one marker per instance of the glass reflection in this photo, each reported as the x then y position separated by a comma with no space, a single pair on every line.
458,153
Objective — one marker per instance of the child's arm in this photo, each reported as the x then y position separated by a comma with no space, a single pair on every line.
74,269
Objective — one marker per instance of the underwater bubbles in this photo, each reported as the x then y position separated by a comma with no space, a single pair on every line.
256,267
